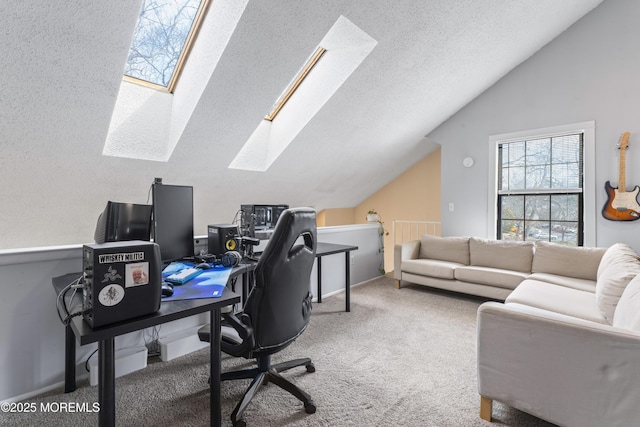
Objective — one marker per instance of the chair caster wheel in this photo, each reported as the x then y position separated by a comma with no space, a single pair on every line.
310,407
239,423
310,367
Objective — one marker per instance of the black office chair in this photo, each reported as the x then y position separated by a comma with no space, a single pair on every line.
276,312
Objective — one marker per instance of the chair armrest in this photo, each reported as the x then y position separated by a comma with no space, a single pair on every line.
241,323
566,370
402,251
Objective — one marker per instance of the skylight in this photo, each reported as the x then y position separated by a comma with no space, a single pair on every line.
346,47
162,40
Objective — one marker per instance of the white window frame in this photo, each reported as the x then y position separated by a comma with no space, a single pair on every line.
589,168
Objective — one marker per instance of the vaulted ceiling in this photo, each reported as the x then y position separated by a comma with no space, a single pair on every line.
62,99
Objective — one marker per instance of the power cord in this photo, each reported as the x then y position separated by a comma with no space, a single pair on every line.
86,363
154,344
61,302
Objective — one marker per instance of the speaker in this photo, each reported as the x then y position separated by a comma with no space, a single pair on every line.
222,238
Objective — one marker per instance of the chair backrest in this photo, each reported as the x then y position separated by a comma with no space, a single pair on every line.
279,305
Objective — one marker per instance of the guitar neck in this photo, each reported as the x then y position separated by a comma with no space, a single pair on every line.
623,144
622,181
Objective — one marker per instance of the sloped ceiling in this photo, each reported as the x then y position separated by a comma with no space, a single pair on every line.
62,65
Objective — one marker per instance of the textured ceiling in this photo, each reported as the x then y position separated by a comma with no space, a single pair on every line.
63,61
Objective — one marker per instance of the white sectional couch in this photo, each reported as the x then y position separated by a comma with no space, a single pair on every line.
569,356
492,268
565,344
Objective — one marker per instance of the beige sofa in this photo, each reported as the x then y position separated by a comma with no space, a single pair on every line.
565,344
569,356
492,268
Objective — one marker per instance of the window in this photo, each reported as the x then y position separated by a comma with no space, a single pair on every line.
163,37
544,185
540,189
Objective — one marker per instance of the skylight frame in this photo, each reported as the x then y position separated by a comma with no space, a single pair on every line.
184,53
297,81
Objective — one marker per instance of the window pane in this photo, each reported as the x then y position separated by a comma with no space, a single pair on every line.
538,152
160,35
512,207
566,149
537,208
564,207
566,175
511,230
516,179
538,177
565,232
516,154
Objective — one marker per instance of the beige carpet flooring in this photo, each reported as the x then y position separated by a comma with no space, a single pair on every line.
401,357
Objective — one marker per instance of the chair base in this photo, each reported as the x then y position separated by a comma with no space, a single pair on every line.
266,373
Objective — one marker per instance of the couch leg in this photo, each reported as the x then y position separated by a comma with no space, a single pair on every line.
397,284
486,405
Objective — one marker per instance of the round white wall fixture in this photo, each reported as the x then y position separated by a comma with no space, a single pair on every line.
467,162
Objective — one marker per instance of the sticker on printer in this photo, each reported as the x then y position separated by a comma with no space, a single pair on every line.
136,274
111,295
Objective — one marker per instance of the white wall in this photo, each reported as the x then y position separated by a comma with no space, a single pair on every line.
32,337
590,72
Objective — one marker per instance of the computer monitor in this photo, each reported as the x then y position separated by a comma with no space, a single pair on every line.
172,227
259,217
123,221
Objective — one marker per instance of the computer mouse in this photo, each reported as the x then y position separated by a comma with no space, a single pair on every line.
203,266
167,289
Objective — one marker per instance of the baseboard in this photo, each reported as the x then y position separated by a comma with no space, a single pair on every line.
180,343
341,290
127,360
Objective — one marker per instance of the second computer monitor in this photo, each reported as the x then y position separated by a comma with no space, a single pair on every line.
260,217
173,221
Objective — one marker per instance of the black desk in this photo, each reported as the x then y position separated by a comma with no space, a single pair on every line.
324,249
105,336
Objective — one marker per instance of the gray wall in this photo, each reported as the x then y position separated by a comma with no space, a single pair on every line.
590,72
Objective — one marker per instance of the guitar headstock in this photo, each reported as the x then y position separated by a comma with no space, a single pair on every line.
623,143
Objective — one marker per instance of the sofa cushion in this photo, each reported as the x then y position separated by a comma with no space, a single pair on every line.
619,265
490,276
569,282
571,261
558,299
507,255
453,249
627,314
430,267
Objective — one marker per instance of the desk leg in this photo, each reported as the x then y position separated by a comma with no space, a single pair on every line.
347,282
106,383
319,279
215,369
69,360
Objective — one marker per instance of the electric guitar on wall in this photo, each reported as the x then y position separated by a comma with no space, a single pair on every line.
622,205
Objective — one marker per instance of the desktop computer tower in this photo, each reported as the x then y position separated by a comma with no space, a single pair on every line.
122,280
222,238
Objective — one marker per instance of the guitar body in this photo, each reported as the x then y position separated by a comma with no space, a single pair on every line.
621,206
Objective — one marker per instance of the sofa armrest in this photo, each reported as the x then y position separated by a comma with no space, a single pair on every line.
565,370
402,251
